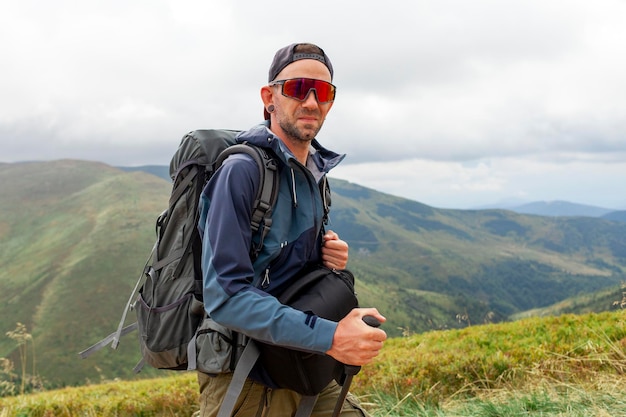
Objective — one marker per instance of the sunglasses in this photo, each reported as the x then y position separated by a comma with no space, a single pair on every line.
299,88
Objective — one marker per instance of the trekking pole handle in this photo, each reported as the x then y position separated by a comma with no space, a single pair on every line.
371,321
354,369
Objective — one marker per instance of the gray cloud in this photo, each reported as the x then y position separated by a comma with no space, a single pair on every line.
464,90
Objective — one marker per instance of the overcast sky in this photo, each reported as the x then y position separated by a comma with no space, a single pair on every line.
455,104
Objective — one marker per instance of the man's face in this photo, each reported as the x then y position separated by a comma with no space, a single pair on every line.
301,120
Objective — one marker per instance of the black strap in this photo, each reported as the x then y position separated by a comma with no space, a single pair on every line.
305,406
267,193
181,187
264,206
346,379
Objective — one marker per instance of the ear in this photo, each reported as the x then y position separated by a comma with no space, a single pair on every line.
267,95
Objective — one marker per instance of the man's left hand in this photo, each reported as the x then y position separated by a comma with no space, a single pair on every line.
334,251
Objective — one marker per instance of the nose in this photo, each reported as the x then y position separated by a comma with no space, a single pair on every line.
311,98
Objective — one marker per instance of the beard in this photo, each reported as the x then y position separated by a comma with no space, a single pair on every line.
305,133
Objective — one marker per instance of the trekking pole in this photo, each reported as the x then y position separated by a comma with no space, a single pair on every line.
350,371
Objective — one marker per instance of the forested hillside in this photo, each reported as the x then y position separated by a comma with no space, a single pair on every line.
75,235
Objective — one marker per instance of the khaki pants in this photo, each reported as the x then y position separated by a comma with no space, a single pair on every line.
257,400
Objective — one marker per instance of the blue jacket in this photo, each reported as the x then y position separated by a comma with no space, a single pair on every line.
237,292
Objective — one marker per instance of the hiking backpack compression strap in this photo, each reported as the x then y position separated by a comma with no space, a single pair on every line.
114,338
192,170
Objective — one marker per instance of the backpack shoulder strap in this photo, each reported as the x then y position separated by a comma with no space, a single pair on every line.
267,193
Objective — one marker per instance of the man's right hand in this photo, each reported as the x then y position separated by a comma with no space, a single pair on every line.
356,343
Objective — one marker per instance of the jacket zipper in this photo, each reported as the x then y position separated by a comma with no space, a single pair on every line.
266,279
313,188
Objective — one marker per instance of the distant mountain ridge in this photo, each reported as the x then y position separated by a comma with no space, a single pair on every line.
161,171
617,216
561,208
540,208
74,237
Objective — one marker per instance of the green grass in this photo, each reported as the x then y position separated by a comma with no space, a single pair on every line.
548,399
443,363
173,396
177,396
558,366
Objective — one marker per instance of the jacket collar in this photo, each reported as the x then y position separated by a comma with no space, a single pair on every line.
263,137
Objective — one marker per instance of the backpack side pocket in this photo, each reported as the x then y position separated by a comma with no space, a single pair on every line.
214,344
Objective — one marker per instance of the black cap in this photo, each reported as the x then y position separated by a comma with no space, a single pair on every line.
288,54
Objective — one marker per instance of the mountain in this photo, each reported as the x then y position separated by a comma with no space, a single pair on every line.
74,237
160,171
540,208
560,208
504,204
616,216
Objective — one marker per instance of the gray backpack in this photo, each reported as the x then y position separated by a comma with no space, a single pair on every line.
167,298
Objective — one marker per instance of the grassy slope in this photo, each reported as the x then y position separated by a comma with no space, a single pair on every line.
68,250
579,359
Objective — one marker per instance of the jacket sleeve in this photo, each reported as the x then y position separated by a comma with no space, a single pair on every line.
230,298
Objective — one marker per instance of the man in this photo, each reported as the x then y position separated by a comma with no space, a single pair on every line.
238,292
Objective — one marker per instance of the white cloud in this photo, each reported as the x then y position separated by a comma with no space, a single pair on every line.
574,177
473,101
